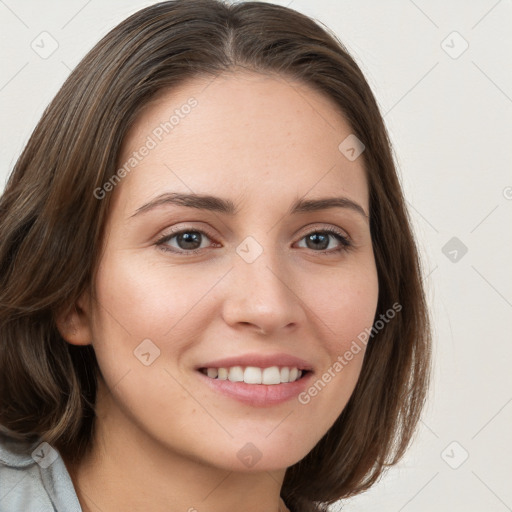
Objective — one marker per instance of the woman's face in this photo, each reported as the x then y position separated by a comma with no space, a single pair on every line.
184,285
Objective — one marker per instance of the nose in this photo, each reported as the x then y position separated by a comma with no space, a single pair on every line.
260,296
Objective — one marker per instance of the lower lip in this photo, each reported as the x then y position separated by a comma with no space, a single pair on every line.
258,395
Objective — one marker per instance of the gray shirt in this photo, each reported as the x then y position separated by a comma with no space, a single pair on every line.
34,478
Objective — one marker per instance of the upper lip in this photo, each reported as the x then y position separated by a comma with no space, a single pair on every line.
258,360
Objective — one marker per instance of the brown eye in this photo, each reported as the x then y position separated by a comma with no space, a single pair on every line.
319,241
188,241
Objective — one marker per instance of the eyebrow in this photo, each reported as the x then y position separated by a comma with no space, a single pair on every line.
226,206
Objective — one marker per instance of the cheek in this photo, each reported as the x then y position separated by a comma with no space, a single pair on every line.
143,321
148,299
347,310
141,300
347,305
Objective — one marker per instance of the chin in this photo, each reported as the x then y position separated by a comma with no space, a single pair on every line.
248,456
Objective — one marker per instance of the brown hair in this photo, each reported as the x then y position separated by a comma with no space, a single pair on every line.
52,224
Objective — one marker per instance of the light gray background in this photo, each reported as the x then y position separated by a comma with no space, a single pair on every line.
450,119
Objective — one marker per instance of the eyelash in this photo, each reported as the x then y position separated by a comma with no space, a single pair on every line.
345,243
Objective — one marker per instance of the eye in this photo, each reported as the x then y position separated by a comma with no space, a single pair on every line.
320,239
190,241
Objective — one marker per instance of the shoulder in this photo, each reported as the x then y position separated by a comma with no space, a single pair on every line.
33,477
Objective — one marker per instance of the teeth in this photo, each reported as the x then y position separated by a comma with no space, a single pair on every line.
212,372
255,375
271,375
236,374
252,375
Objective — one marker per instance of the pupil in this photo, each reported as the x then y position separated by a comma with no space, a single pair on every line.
316,236
189,238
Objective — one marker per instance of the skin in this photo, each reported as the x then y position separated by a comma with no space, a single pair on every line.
163,437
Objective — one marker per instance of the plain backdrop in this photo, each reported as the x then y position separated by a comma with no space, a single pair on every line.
441,72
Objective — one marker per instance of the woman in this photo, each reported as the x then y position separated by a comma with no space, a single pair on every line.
211,297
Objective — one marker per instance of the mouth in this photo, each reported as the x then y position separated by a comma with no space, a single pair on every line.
269,376
255,386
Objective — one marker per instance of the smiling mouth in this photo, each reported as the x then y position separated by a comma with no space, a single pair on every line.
254,375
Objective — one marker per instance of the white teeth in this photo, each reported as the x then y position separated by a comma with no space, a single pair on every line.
271,375
254,375
236,374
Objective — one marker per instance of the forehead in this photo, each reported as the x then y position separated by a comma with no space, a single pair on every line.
240,135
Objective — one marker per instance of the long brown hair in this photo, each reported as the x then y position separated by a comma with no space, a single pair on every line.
52,224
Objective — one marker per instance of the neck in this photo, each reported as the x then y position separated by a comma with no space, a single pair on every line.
128,470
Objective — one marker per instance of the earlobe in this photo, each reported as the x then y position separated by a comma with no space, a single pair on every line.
73,323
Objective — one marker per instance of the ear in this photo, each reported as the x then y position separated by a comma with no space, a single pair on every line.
74,323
